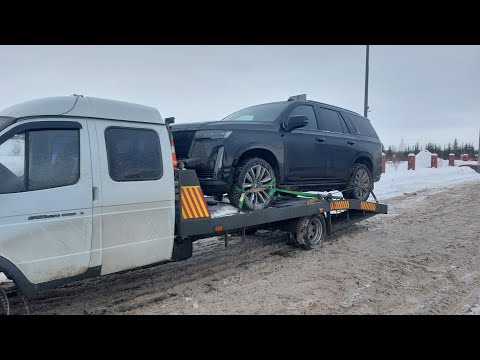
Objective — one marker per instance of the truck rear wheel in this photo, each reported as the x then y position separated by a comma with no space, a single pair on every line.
311,232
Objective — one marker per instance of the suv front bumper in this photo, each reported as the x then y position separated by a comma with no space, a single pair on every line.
211,168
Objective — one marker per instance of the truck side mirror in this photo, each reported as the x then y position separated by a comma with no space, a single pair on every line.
169,120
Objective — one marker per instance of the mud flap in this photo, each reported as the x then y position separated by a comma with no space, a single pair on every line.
182,249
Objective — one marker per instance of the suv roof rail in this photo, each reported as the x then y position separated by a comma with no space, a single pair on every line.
302,97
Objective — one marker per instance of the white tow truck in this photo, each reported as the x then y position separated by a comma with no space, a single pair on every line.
89,187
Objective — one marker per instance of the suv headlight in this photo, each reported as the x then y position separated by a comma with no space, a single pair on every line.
212,134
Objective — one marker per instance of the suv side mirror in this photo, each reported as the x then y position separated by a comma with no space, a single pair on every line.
294,122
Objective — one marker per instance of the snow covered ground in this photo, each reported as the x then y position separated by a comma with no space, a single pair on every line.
398,180
475,310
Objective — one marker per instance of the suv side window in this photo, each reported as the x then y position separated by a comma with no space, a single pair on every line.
330,120
362,126
347,125
133,154
306,110
39,159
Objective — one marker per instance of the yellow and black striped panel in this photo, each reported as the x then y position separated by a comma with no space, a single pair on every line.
193,203
340,205
368,206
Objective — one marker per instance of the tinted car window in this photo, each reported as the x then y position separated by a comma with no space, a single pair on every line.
265,113
330,120
362,125
347,126
307,111
133,154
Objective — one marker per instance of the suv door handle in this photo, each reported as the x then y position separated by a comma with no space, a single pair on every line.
351,142
320,139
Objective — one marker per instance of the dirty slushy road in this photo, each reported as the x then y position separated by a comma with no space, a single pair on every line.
421,258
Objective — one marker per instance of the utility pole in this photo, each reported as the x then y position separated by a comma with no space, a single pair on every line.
365,109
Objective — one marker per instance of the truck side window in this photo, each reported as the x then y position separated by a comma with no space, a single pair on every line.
53,159
133,154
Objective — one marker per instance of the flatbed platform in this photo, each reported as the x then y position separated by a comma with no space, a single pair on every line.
282,212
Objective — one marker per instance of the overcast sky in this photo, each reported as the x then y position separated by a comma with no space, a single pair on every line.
419,93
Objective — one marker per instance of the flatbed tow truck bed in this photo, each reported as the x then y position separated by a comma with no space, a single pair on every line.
284,213
225,217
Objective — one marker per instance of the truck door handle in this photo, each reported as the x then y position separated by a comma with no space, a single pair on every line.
320,139
95,193
351,142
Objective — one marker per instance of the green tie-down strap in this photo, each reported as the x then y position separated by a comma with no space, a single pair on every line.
242,197
273,190
304,194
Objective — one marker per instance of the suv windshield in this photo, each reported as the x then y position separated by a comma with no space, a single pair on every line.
264,113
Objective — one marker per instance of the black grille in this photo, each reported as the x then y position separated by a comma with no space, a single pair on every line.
183,140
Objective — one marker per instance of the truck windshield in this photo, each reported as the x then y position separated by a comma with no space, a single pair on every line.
263,113
5,122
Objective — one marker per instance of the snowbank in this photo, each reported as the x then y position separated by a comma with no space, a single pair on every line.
423,159
461,162
398,180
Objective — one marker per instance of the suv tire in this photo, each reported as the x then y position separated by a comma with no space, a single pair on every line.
360,176
249,174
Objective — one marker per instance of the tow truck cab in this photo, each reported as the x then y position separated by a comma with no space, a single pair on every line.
86,189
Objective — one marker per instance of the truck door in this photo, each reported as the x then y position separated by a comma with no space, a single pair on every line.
46,198
137,194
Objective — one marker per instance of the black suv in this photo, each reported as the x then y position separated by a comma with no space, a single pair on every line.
295,144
